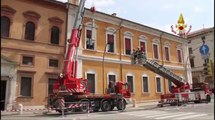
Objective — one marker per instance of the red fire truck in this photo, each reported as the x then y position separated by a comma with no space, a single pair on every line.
71,93
181,92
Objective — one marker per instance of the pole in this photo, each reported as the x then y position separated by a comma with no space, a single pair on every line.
103,67
104,57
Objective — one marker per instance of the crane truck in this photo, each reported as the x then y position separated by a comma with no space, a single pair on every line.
71,93
181,92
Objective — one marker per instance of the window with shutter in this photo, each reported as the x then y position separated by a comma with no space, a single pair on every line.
127,46
167,53
142,46
179,56
155,48
110,41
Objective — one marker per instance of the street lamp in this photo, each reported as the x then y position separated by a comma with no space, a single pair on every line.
107,44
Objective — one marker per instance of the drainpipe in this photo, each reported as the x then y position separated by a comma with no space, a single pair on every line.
162,60
120,27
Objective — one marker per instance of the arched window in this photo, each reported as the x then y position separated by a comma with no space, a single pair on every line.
90,35
55,35
5,26
29,31
111,39
128,43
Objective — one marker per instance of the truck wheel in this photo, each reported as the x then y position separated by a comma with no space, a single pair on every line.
84,107
208,98
106,106
121,105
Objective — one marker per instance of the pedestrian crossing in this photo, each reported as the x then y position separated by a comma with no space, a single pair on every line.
164,115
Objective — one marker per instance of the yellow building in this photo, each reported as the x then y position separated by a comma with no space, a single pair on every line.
100,62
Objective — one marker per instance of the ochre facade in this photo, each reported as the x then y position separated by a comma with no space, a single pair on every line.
15,46
119,64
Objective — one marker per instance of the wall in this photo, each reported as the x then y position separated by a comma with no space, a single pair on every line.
41,49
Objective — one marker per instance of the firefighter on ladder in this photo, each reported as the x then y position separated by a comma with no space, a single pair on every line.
137,55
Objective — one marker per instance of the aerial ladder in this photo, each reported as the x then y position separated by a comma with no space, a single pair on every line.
71,93
181,91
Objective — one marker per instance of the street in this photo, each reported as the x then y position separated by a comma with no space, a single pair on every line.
202,111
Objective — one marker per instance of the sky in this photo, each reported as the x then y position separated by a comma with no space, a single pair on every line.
159,14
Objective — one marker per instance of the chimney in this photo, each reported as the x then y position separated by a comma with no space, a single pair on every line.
75,2
114,14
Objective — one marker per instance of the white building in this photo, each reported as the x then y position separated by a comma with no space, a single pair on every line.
196,39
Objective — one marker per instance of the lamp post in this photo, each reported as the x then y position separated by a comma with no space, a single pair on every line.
104,58
103,66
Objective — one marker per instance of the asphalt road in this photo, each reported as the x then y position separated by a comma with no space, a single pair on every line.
202,111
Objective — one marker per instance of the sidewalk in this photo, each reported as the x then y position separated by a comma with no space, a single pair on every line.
142,105
130,106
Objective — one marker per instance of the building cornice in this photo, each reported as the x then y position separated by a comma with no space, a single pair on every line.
127,24
200,33
118,61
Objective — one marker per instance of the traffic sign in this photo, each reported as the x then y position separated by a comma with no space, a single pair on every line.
204,49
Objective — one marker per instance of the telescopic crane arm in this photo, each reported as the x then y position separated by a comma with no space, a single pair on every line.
70,63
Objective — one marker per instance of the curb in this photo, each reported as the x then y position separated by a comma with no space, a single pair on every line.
17,110
129,107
